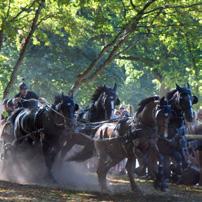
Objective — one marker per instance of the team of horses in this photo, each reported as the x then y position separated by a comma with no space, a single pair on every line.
155,135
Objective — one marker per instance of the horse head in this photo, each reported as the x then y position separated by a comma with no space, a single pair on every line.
65,105
185,100
107,99
163,113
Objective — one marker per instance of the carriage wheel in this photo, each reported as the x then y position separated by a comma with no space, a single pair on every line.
6,139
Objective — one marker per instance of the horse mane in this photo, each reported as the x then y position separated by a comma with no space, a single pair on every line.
99,90
146,101
31,103
61,97
170,94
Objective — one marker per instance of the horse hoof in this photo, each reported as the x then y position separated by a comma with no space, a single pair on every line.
137,191
164,188
105,191
157,187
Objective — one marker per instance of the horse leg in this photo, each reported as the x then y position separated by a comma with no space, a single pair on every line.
166,173
200,163
49,157
162,174
130,170
66,147
153,156
75,138
87,151
101,172
141,170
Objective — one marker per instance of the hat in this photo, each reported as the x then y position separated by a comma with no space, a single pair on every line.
23,85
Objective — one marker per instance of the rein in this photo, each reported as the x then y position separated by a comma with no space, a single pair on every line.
58,113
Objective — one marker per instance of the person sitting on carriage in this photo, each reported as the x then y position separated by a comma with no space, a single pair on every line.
24,94
8,108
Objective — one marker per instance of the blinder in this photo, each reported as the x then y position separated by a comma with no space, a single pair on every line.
166,109
194,99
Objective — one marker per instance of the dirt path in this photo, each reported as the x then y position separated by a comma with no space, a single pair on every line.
22,193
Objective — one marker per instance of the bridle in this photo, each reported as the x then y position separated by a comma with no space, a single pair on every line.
167,111
112,103
64,121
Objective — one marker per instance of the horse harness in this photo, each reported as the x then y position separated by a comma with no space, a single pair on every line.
129,133
37,124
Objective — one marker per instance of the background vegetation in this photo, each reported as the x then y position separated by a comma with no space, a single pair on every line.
58,45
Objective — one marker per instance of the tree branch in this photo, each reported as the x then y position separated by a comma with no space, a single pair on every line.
23,49
109,50
147,61
8,10
24,9
173,6
134,6
1,37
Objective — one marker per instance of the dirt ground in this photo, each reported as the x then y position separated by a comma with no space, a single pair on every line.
119,187
15,192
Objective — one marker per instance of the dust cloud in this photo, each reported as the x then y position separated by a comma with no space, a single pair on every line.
26,165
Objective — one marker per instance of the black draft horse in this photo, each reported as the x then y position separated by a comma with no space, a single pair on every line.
52,123
103,104
181,101
102,107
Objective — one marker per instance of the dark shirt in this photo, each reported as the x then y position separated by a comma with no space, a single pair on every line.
28,96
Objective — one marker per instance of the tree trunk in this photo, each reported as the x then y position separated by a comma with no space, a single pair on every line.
1,38
109,50
23,50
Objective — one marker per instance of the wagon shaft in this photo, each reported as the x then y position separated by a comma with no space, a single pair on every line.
194,137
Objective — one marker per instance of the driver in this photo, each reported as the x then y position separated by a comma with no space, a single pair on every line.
24,94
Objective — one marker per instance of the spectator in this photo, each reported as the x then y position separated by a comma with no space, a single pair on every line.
199,115
116,114
123,112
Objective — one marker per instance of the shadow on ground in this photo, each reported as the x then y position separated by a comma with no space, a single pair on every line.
15,192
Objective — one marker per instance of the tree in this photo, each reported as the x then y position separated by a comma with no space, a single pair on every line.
83,42
23,49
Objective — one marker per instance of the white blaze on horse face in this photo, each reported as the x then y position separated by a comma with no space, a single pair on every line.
166,133
166,115
112,107
112,104
191,109
166,129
